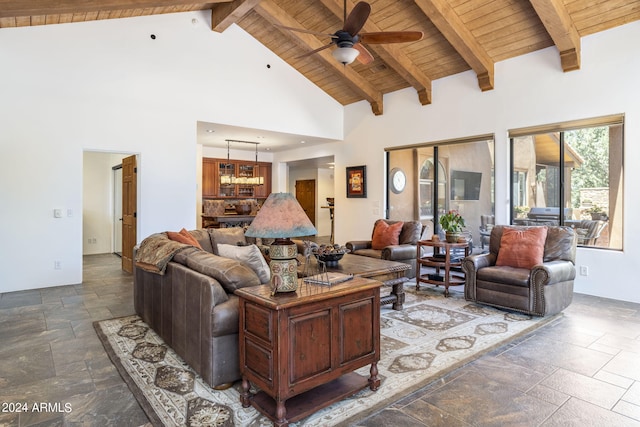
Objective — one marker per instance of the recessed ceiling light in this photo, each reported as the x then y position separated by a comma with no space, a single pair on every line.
303,142
210,131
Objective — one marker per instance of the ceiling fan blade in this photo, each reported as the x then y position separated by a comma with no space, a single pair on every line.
391,37
315,50
365,56
302,30
356,19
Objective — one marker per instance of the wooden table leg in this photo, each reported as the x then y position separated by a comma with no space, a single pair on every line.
281,415
245,396
374,381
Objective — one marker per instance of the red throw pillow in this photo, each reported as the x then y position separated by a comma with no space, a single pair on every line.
385,234
183,237
522,248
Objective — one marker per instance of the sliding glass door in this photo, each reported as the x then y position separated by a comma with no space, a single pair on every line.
451,175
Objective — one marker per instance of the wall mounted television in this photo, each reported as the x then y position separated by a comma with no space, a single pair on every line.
465,185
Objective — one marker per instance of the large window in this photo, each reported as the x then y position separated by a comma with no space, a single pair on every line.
571,174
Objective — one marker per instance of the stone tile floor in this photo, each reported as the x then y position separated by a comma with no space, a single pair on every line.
583,369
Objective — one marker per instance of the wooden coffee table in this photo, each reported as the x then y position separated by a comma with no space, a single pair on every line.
390,273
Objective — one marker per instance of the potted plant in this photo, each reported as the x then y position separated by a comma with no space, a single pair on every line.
597,213
452,223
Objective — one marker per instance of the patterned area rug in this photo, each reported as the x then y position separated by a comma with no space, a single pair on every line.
429,338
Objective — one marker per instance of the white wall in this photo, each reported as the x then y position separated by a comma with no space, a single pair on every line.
529,90
107,86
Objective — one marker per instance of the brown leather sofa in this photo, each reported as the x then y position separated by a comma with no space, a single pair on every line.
405,251
192,306
545,289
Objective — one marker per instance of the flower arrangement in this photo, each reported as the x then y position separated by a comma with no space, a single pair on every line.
452,222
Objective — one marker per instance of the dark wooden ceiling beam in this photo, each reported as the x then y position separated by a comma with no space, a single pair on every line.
563,32
275,15
13,8
223,15
453,29
391,54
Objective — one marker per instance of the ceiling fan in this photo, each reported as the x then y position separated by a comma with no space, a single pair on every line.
349,39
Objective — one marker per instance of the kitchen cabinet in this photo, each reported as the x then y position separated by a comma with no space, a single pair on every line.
231,179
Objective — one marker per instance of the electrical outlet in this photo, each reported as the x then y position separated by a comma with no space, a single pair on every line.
584,270
57,265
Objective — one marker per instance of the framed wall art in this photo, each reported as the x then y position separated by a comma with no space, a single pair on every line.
357,181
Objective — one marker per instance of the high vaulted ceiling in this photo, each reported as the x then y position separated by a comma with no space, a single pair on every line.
459,35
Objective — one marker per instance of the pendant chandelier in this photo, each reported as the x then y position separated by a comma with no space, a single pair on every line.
228,177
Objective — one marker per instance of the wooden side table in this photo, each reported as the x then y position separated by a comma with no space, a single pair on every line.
441,259
301,348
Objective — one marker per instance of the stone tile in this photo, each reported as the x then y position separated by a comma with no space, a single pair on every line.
20,298
633,394
588,389
562,355
19,324
621,342
578,413
108,407
547,394
390,418
613,379
625,364
501,405
40,416
510,374
25,365
75,350
604,349
433,416
628,409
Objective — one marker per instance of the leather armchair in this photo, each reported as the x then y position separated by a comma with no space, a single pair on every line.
405,251
545,289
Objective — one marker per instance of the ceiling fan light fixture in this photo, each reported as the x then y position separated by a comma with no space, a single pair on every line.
345,55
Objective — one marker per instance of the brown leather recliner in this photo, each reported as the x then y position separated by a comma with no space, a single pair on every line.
545,289
405,251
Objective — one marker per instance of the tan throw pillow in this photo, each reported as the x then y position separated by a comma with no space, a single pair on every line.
385,234
183,236
227,236
249,255
522,247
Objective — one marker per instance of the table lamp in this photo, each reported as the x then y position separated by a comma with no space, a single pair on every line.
280,218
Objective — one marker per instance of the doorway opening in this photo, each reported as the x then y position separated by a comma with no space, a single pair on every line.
103,205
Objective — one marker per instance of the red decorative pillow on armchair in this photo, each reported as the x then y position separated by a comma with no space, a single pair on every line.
385,234
522,248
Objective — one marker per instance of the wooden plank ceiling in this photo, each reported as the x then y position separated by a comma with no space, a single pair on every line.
459,35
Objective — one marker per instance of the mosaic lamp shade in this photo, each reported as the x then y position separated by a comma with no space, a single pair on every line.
281,217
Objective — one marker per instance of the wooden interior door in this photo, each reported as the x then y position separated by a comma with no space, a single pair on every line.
129,214
306,195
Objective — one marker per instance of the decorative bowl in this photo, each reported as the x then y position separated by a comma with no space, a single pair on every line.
331,260
330,254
